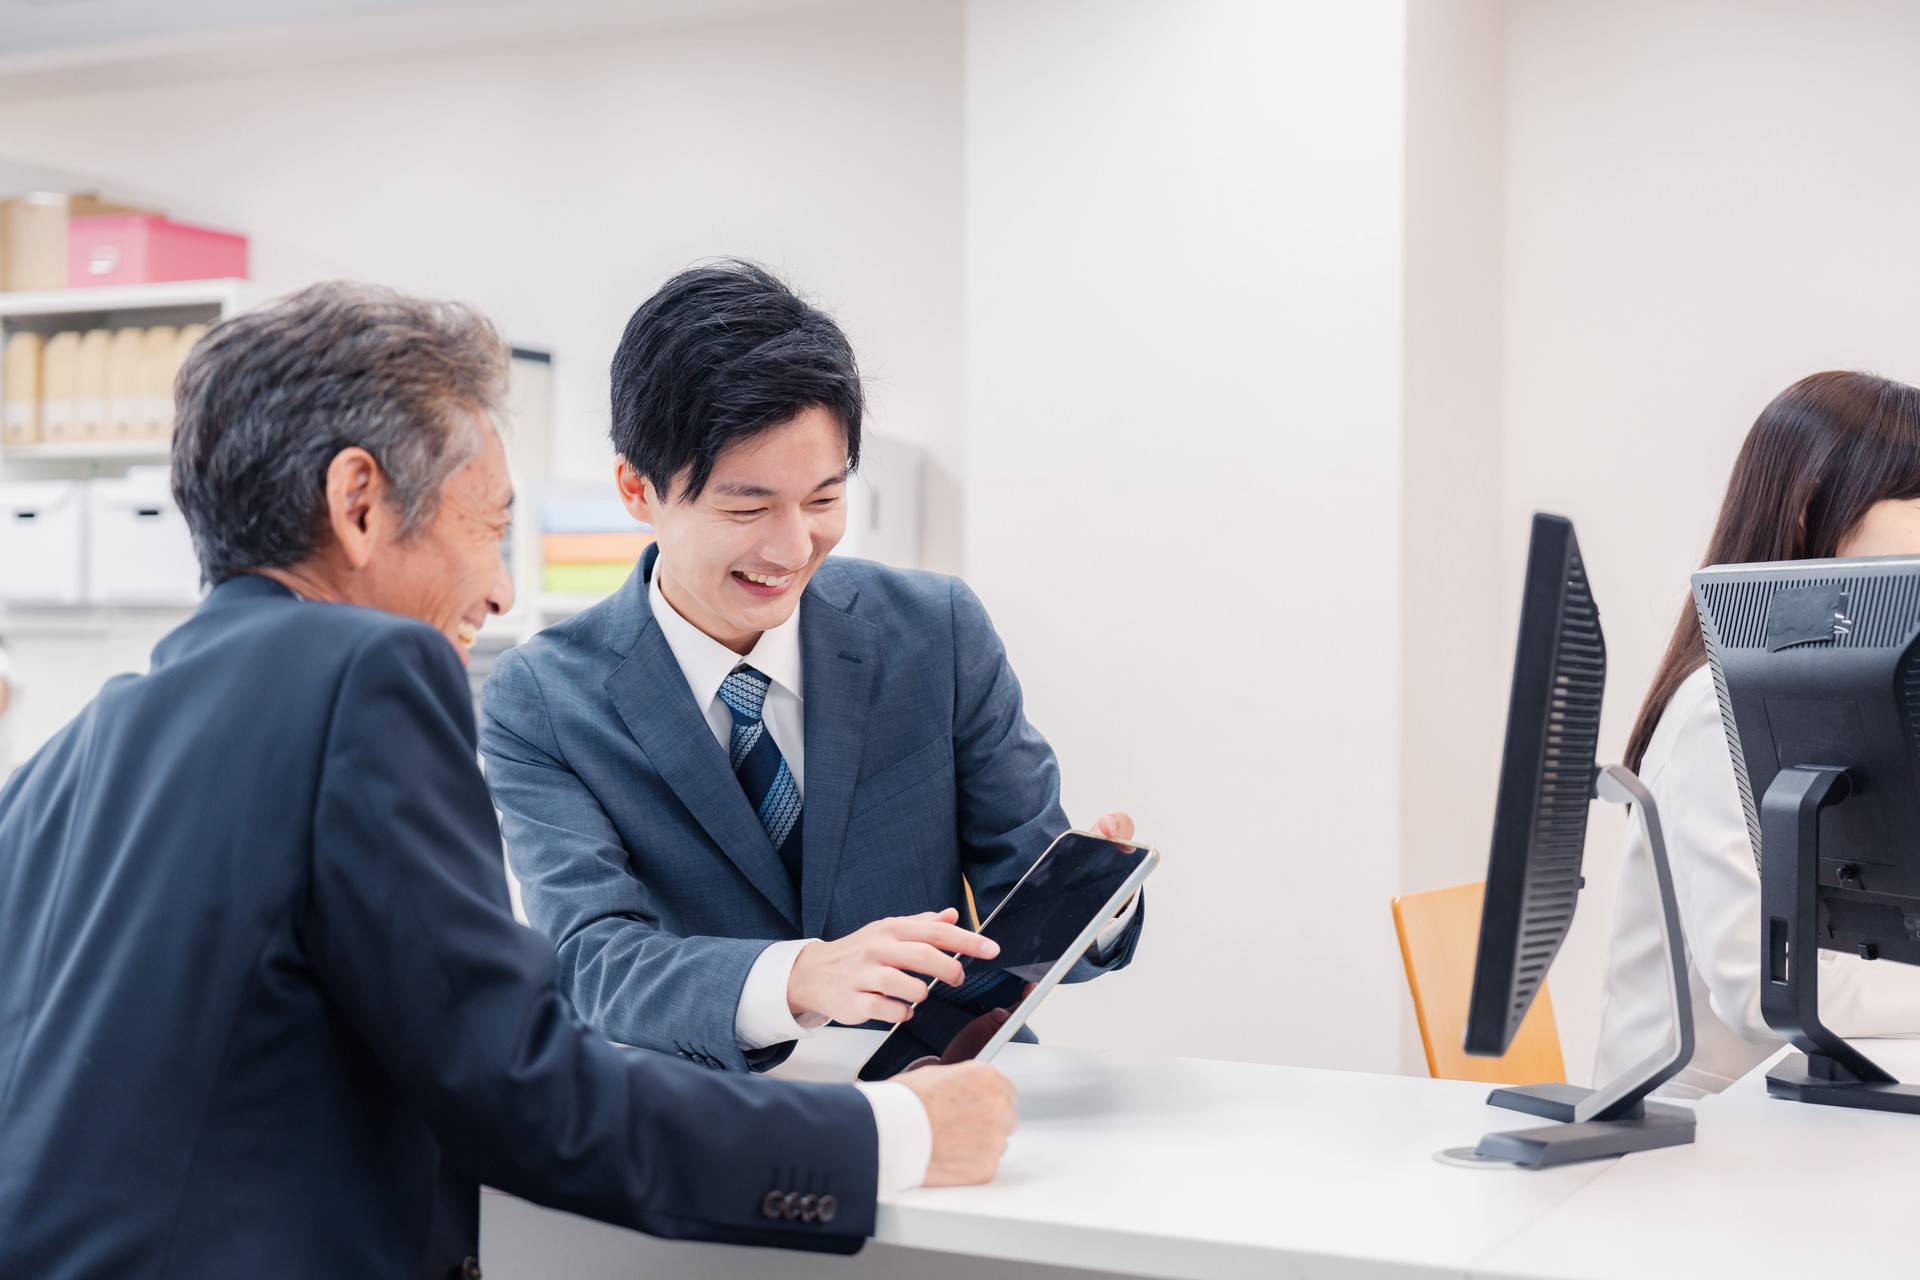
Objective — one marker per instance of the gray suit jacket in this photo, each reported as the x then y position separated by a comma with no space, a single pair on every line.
638,853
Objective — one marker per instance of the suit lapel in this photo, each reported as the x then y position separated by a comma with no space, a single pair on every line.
650,693
837,653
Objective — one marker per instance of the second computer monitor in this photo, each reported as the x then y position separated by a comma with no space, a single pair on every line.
1546,783
1817,668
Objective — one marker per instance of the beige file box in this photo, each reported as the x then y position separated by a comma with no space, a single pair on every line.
20,384
90,384
189,334
33,235
126,381
59,381
157,367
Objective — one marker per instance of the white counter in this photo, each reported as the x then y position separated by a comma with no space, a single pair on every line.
1130,1165
1768,1188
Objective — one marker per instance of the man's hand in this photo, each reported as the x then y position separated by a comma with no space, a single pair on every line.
971,1106
870,974
1117,827
1114,826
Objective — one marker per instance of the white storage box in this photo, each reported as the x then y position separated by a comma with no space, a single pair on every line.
42,541
138,548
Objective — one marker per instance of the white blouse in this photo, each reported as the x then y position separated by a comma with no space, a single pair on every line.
1690,772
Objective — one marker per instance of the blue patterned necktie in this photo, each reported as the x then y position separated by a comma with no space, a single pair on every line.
762,770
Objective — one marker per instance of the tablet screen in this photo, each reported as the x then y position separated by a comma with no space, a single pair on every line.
1037,923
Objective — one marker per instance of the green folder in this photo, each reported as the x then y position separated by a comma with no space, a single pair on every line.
585,579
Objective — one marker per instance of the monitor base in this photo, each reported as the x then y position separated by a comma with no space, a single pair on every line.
1548,1101
1615,1118
1550,1145
1800,1080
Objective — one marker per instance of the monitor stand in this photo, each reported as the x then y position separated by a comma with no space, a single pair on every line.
1828,1071
1616,1118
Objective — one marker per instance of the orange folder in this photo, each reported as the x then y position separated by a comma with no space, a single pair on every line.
593,548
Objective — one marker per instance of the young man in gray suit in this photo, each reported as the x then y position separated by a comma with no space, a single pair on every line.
741,794
264,1010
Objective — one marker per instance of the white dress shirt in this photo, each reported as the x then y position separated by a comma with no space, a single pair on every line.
763,1017
1690,772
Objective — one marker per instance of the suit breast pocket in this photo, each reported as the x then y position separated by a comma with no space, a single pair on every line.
913,771
902,853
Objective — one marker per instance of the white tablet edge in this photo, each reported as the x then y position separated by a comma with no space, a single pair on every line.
1149,859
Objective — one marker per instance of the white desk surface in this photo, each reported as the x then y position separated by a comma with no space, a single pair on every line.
1768,1188
1173,1167
1213,1170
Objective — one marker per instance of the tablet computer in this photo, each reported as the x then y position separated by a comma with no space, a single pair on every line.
1044,924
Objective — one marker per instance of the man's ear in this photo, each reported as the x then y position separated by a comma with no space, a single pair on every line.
356,493
637,493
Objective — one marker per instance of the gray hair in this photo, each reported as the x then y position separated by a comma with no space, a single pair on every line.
267,399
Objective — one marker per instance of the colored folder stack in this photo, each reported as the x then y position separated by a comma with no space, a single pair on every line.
588,548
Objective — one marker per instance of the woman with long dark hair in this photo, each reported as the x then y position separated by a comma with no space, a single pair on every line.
1830,468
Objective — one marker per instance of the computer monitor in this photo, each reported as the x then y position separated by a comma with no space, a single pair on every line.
1547,779
1817,667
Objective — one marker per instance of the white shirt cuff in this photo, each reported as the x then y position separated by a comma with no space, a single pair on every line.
1103,941
906,1134
763,1018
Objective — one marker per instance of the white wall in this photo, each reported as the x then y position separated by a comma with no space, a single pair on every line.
1459,623
556,186
1706,200
1183,450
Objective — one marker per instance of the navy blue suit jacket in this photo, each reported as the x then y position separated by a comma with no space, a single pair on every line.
638,853
264,1010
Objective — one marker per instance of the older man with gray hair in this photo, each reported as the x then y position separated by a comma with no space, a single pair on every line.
263,1008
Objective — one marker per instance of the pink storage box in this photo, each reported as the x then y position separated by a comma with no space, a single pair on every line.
148,249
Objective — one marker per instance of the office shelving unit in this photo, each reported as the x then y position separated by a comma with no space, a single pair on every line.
53,310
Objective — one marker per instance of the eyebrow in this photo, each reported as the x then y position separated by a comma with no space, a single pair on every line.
756,491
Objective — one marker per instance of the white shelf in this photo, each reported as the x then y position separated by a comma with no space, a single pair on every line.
563,605
225,294
90,451
18,619
53,310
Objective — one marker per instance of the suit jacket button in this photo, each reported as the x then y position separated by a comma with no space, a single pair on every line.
770,1204
828,1207
790,1205
469,1268
809,1208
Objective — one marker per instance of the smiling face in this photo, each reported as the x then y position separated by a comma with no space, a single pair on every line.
735,558
450,574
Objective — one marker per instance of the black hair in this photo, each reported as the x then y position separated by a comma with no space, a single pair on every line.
720,353
267,399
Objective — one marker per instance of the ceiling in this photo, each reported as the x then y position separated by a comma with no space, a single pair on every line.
50,47
46,26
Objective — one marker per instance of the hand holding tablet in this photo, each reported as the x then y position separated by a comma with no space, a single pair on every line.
1045,924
